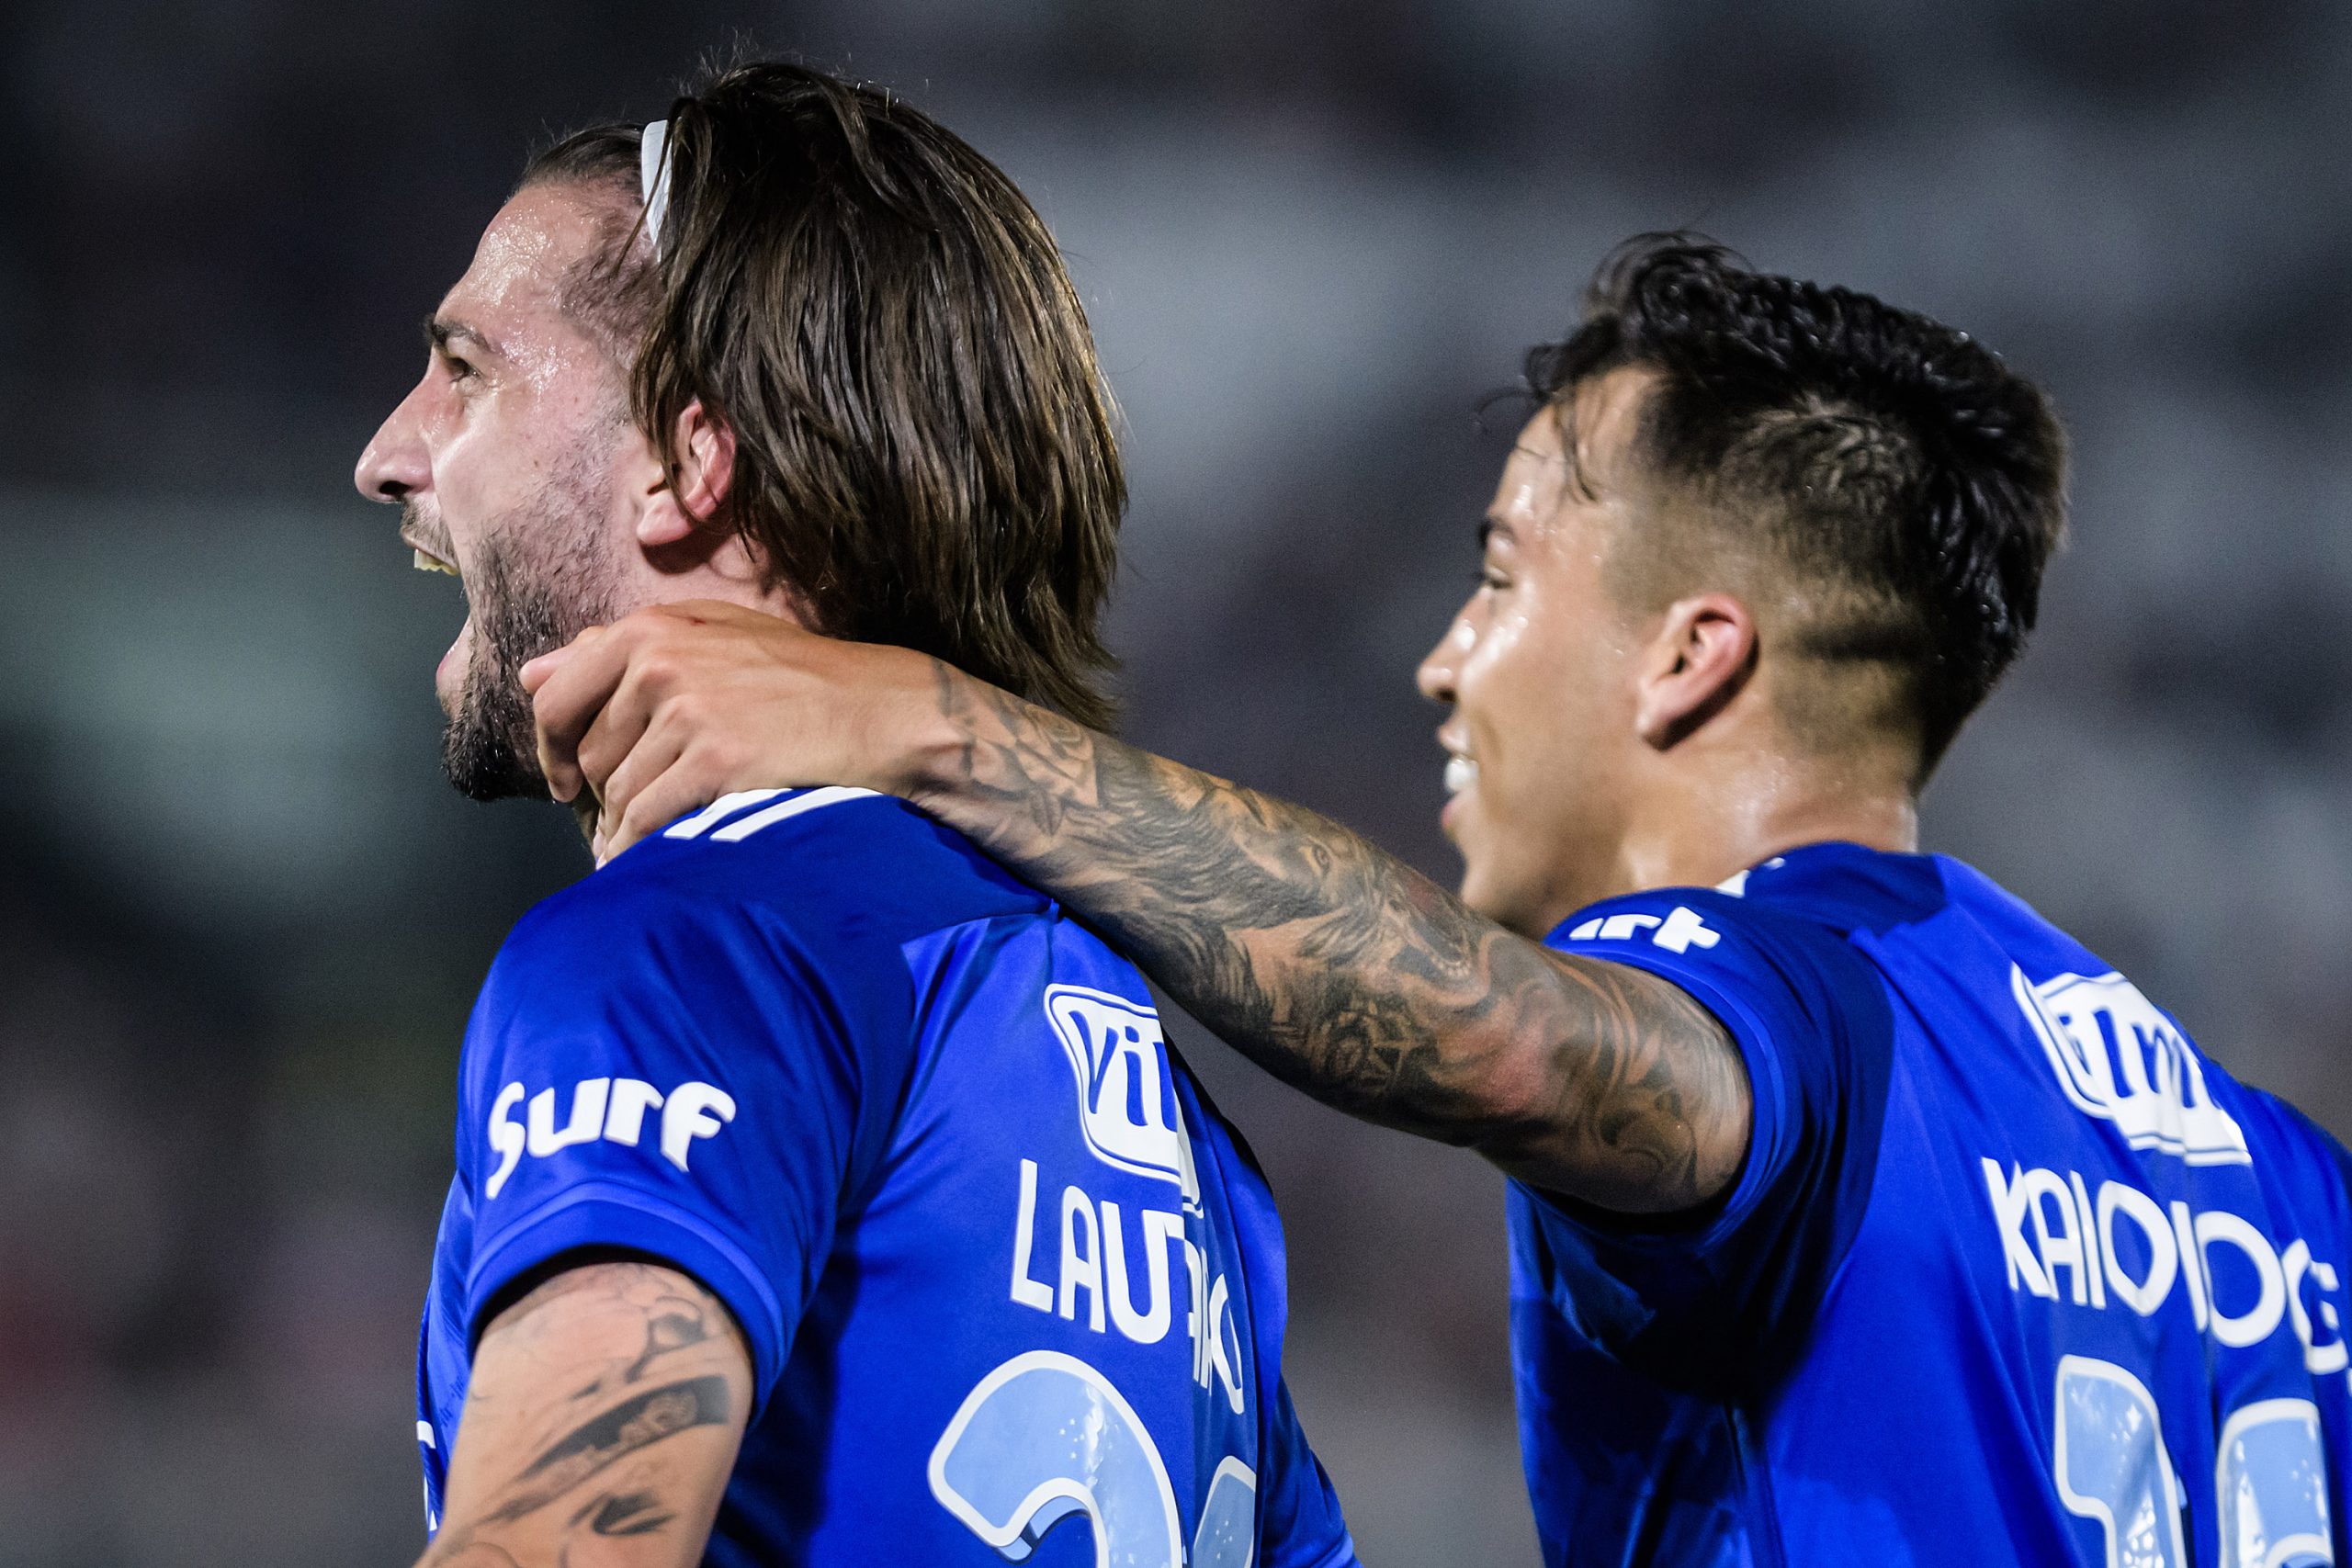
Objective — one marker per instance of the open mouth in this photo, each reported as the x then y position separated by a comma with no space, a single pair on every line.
1461,772
448,674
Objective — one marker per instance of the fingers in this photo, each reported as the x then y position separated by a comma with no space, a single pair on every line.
623,721
591,699
656,753
569,688
535,671
660,712
660,800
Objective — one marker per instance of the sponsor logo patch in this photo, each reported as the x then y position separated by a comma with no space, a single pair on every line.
1680,931
2122,1060
1126,1106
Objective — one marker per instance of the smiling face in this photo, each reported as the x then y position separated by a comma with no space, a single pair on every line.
516,466
1539,667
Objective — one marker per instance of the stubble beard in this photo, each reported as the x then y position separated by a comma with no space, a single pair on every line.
524,602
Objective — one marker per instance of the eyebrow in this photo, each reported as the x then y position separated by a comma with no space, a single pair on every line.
1489,526
440,332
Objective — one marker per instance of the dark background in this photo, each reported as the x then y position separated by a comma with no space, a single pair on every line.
242,917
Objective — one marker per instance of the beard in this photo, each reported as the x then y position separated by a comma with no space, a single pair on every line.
524,603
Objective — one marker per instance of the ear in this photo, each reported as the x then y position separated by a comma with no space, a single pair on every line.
1698,659
679,503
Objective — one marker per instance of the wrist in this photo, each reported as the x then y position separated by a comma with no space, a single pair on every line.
932,737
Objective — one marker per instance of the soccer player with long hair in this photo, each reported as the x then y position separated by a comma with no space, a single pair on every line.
824,1195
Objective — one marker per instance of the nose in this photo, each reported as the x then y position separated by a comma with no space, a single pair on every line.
1436,675
395,465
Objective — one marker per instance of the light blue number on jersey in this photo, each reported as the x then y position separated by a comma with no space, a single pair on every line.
2113,1466
2270,1482
1045,1435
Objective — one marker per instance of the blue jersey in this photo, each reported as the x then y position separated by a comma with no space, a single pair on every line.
2011,1274
1013,1290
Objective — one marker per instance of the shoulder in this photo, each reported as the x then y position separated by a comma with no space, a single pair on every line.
2280,1137
774,927
1677,920
1707,927
749,920
1773,973
817,871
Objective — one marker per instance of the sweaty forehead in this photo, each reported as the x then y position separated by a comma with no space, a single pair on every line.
513,289
1535,476
1577,455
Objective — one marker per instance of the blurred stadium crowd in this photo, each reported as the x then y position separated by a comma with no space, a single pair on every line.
241,917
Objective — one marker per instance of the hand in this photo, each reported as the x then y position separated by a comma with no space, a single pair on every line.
664,711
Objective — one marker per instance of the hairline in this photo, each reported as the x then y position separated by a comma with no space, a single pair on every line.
1677,508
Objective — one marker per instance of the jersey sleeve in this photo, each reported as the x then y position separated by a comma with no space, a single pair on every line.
1716,1298
673,1077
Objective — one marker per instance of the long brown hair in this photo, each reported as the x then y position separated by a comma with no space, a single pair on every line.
925,449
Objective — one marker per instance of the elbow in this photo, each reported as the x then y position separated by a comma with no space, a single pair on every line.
1662,1145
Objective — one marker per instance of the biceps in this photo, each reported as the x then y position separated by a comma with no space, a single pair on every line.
601,1423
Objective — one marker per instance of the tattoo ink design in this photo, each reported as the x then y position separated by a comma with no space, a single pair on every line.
678,1322
631,1513
1347,975
629,1426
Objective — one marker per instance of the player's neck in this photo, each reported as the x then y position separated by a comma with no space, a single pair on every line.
1705,825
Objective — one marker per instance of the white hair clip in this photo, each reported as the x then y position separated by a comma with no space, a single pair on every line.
653,177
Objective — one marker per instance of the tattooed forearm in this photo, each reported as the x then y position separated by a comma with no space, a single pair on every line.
1346,973
616,1389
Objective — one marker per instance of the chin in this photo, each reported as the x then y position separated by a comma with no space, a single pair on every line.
1514,909
1478,893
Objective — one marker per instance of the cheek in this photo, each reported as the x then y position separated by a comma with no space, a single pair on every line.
1538,702
1487,653
463,467
493,469
1508,687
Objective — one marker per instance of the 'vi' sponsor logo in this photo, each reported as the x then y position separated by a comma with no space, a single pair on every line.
1126,1106
2119,1059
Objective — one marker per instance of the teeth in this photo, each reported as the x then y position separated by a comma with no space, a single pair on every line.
431,563
1461,772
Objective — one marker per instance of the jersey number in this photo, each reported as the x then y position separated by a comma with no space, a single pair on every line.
1045,1435
2269,1483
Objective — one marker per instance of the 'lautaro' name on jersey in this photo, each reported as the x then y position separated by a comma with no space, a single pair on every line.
1129,1121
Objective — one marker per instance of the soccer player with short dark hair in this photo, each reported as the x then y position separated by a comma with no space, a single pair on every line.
1859,1217
824,1195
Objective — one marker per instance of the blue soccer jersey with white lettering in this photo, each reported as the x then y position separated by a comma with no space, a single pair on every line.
1013,1290
2011,1274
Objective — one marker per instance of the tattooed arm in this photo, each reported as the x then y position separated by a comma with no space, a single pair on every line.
1331,963
600,1426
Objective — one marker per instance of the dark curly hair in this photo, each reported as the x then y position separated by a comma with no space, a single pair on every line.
1903,484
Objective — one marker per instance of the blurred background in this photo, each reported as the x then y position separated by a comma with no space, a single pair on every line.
242,917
